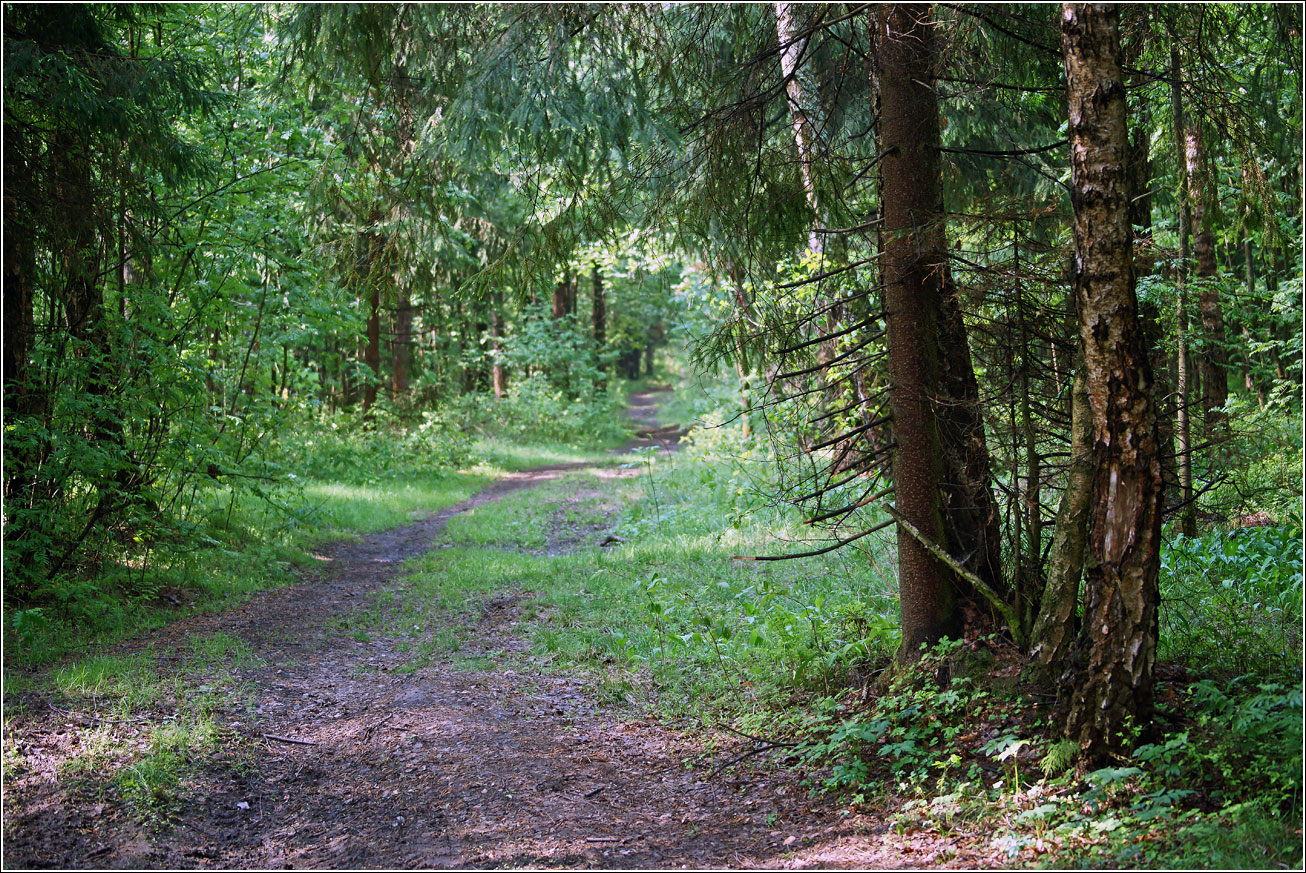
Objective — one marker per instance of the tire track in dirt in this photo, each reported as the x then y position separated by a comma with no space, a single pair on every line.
346,762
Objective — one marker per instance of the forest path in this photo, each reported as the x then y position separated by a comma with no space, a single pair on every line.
344,757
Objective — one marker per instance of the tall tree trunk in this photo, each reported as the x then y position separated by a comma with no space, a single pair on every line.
971,521
1215,389
914,259
1054,626
560,305
1116,653
19,268
1183,378
1250,382
1140,181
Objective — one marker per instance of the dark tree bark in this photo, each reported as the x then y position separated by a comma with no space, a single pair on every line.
914,276
19,267
372,351
599,315
1140,180
1054,626
1116,652
560,292
402,354
970,514
1214,363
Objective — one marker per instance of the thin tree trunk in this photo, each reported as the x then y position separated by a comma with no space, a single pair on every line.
372,352
802,97
560,297
1054,626
402,355
1214,363
1250,381
1116,653
1183,379
599,320
19,266
971,522
498,377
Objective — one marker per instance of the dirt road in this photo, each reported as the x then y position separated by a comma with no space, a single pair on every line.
341,758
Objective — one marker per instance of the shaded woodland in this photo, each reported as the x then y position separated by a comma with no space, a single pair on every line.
1015,290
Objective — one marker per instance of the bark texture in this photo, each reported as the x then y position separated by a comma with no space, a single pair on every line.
1214,363
970,514
372,352
914,277
1116,653
1183,368
801,95
599,317
498,378
19,267
1054,627
402,353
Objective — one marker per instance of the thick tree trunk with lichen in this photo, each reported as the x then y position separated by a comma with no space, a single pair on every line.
914,276
1116,652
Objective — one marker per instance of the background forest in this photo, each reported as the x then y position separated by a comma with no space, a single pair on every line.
277,274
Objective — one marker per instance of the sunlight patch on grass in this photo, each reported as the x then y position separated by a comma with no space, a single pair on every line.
497,454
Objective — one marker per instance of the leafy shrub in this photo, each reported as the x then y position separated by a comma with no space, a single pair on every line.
364,450
911,733
1231,601
536,408
1250,744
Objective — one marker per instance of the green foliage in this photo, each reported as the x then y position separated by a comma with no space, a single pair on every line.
1260,463
376,446
1231,601
909,737
1247,742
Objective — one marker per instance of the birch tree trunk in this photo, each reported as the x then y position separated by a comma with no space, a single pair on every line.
1183,378
801,95
1116,652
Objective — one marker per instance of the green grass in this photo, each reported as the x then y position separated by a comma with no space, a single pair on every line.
666,614
171,707
500,454
250,542
347,509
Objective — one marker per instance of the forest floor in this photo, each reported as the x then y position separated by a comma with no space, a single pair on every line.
332,750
